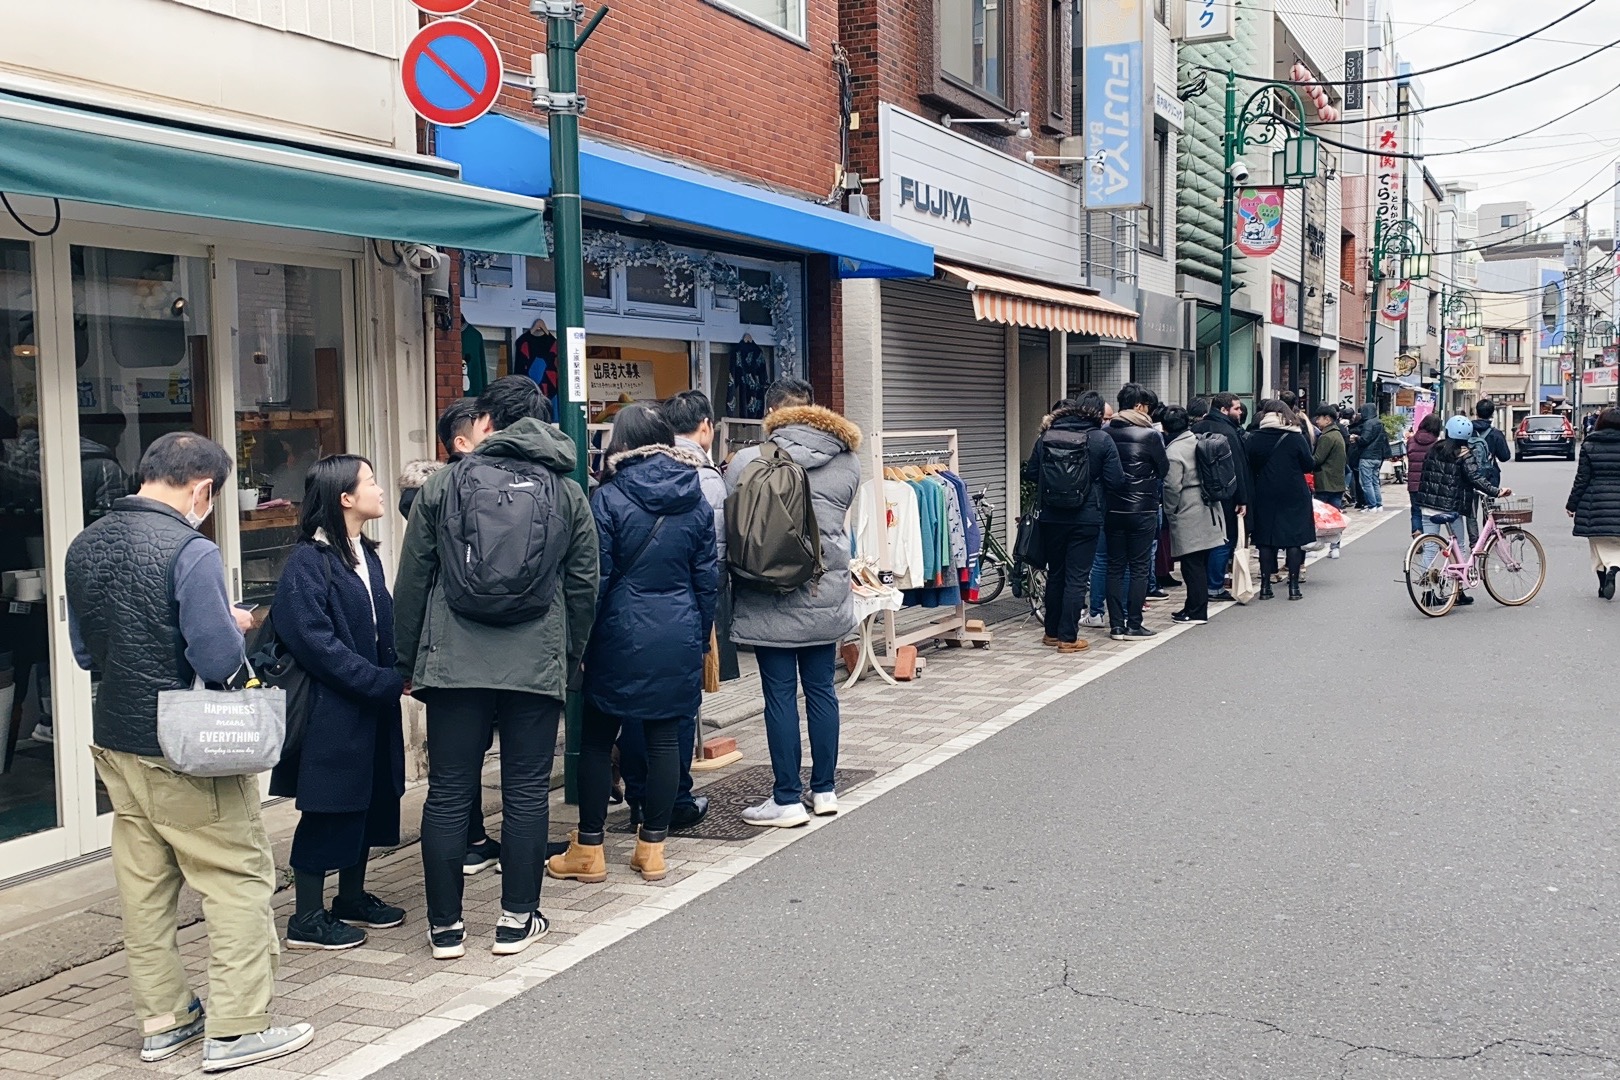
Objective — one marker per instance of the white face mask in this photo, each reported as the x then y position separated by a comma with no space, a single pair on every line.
193,518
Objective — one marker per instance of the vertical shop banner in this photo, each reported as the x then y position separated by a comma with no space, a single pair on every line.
1347,382
1355,67
1204,20
1387,186
1118,107
1456,344
1397,300
574,357
1260,221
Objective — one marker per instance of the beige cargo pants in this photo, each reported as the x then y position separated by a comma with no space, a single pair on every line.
206,832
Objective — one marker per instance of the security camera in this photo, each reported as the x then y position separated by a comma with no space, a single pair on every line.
1239,173
422,258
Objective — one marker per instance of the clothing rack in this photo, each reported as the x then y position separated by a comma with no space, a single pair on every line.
731,442
950,628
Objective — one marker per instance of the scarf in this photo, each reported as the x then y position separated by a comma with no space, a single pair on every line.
1272,420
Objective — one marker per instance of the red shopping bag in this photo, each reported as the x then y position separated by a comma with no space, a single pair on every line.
1329,520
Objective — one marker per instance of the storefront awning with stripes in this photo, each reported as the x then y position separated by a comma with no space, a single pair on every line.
1015,302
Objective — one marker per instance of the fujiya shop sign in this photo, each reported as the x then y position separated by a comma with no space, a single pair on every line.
935,201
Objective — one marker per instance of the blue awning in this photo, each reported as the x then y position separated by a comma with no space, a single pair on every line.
508,155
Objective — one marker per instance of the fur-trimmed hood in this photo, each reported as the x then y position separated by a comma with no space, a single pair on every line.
818,417
683,454
1058,414
662,480
415,473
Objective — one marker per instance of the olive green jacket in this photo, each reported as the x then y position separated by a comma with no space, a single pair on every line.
1330,455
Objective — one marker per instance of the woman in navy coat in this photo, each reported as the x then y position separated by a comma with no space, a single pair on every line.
333,612
645,657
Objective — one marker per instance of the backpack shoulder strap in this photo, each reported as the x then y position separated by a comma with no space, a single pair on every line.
641,549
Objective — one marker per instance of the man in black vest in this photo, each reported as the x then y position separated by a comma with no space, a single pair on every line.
148,612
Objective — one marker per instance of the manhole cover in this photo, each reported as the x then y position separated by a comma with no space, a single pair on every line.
731,795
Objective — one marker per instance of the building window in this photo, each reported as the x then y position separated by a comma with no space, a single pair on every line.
784,15
1057,67
1152,238
1552,371
1509,220
1347,259
1507,346
970,38
1161,11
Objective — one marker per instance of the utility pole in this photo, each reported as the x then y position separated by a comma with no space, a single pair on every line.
1577,266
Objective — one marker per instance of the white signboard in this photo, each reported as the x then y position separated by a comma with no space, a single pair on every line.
1387,173
1117,118
616,380
576,364
1206,20
977,205
1169,108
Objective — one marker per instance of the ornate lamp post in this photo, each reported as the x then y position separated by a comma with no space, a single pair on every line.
1458,311
1404,241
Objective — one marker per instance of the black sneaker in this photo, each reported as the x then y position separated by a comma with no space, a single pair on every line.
1463,599
319,930
514,933
1158,594
1183,617
481,856
1139,633
449,942
367,911
1223,597
1118,634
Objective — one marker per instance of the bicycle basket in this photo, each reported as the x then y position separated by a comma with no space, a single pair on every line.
1514,511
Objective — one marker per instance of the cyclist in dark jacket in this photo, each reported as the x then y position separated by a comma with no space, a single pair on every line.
1453,482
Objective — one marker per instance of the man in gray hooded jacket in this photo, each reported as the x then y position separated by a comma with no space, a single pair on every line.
795,635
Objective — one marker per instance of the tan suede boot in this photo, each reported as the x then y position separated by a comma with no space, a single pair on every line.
649,860
581,862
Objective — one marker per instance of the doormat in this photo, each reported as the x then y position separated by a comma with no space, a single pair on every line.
731,795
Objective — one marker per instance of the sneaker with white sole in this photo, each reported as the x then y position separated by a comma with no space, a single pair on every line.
222,1054
1333,552
44,733
516,931
170,1043
449,942
772,813
1095,621
824,803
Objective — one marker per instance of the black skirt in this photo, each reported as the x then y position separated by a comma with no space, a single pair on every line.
326,842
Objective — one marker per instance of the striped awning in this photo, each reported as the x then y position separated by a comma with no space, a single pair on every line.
1016,302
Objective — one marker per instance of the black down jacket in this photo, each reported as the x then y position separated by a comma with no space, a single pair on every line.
1142,456
1451,479
645,657
1595,498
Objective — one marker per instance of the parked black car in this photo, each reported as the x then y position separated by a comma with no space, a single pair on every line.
1548,435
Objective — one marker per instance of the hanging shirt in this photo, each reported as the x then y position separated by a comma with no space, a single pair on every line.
958,526
900,517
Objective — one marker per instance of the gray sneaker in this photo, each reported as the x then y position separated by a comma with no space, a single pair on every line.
170,1043
222,1054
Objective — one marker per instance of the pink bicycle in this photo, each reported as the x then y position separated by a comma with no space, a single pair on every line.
1508,560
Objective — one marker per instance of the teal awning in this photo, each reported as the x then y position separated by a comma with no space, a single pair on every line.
81,155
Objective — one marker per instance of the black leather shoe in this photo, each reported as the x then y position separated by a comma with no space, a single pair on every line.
1265,589
686,815
1224,597
1293,591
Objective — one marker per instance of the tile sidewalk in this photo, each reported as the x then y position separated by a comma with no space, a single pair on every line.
374,1004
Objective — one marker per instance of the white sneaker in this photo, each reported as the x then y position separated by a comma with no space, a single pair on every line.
770,812
1096,622
824,803
44,733
1333,552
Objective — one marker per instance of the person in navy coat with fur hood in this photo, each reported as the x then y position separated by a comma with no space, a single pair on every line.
659,578
334,614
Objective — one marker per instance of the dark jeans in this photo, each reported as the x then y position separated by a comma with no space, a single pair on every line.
1220,559
1195,573
476,829
1268,561
661,746
1070,550
1130,550
459,728
1334,499
781,672
633,761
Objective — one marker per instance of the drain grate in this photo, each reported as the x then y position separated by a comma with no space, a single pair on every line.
731,795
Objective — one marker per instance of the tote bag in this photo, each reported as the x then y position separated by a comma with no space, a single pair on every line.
1243,586
222,732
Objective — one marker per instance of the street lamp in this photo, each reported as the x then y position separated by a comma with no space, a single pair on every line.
1298,151
1459,311
1404,241
1602,335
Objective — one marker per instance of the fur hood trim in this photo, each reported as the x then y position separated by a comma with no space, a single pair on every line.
682,454
415,473
1053,417
819,417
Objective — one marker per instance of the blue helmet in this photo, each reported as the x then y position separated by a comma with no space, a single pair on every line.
1460,428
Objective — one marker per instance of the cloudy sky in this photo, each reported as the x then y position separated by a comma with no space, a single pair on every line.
1555,168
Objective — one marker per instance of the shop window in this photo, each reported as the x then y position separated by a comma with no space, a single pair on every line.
540,276
738,375
970,43
784,15
755,312
653,285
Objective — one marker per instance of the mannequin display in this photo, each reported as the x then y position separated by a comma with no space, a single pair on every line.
535,355
745,388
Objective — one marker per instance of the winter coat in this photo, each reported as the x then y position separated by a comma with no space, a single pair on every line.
653,616
1373,439
1217,424
1330,455
1500,450
1451,479
324,616
411,479
103,480
1281,515
1194,526
714,492
1141,455
1595,498
1417,452
1107,475
439,648
818,612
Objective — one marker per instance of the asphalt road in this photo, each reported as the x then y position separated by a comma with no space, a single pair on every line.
1324,839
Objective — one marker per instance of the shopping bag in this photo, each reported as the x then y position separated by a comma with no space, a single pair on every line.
1243,587
222,732
1330,523
711,666
1027,546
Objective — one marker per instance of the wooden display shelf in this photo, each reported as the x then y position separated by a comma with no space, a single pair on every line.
285,419
283,517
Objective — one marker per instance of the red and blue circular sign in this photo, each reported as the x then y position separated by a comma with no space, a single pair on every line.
452,72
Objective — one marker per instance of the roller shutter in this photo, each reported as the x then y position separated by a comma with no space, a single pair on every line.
943,368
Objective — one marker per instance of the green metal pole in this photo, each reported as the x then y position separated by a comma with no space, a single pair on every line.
1228,197
1374,276
1440,376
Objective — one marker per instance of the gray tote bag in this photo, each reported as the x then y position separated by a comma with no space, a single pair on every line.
222,732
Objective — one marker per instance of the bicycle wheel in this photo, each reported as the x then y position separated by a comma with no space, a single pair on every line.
1035,586
992,578
1514,568
1432,589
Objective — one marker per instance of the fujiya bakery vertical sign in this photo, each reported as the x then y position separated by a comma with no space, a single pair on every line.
1118,109
1387,176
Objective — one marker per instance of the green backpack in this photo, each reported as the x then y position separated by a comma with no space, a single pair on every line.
772,541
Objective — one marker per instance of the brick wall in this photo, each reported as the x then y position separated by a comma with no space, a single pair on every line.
447,381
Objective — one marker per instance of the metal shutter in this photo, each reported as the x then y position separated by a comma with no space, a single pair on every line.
943,368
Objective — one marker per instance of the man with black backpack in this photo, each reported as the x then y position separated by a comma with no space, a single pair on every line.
1074,465
1221,418
493,605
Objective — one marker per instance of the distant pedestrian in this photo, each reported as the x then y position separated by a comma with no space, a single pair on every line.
1133,512
1349,420
1196,527
1453,482
1491,447
1222,418
333,612
148,612
1372,441
1329,453
1417,452
1594,500
1281,514
795,635
645,659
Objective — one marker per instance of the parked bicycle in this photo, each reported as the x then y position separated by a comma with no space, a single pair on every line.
1507,559
997,568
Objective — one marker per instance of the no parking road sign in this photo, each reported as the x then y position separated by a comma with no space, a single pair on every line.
452,72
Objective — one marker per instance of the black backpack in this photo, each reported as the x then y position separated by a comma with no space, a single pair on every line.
501,539
1217,470
274,665
1065,480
